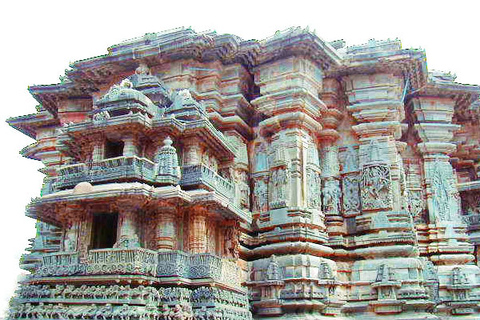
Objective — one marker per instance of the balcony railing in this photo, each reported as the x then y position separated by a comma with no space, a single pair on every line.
122,261
200,175
172,264
119,168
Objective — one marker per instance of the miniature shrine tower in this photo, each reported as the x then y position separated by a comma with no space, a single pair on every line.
201,176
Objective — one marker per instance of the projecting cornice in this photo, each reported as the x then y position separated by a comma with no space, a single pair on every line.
86,76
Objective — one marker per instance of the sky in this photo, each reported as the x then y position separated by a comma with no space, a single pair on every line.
40,38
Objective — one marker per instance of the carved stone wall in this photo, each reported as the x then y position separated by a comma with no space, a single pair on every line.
287,178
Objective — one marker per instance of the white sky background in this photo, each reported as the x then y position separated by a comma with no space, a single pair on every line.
40,38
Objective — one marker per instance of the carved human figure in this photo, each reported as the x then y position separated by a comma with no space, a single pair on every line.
231,242
331,196
279,181
313,185
260,196
376,187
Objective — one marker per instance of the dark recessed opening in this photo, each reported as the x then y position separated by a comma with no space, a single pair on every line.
113,149
104,230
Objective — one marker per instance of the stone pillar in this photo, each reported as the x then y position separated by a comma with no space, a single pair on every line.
285,168
130,147
72,217
165,231
331,193
384,233
98,150
191,153
127,236
448,244
198,231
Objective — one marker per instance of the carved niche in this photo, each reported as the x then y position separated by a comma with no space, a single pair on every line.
376,187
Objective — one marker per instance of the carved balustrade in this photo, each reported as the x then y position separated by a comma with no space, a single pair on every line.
122,261
60,264
119,168
201,175
144,262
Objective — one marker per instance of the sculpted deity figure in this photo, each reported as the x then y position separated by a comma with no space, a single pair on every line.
260,196
231,242
279,182
331,196
313,185
376,192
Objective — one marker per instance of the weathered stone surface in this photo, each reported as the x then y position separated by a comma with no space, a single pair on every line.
231,179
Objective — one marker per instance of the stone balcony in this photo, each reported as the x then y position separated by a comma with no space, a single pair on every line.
200,175
145,262
122,168
134,168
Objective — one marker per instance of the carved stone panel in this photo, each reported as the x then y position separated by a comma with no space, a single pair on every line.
260,196
279,190
351,195
331,196
376,187
313,187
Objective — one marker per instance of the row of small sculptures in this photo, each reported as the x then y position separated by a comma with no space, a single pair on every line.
146,294
123,312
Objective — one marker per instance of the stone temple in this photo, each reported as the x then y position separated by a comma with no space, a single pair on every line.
201,176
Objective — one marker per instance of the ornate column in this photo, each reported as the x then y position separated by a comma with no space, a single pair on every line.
191,153
165,231
130,147
98,142
383,227
331,188
127,236
448,246
198,230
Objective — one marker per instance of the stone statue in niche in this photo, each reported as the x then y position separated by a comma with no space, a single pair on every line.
351,194
260,196
376,187
313,185
279,183
331,196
